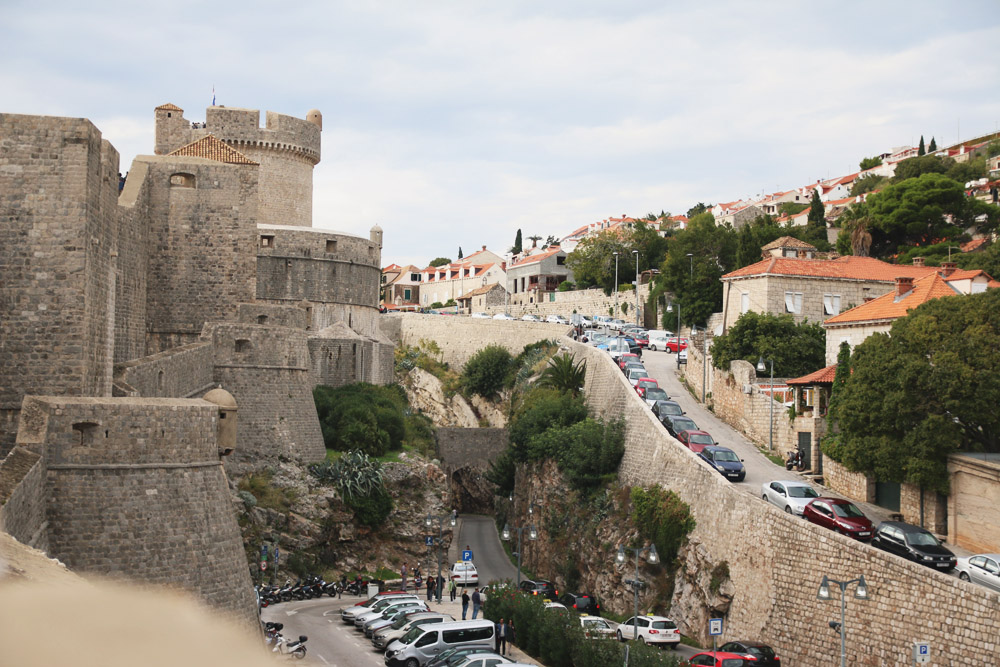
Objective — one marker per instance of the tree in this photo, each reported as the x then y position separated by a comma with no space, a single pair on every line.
797,349
970,170
516,248
486,372
697,209
440,261
593,260
917,166
868,184
816,224
791,208
870,163
564,375
551,241
840,377
534,240
927,389
695,281
756,234
987,260
920,149
932,146
460,252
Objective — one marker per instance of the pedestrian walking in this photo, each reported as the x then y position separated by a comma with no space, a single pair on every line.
498,636
510,632
452,588
465,603
477,602
402,571
440,588
430,589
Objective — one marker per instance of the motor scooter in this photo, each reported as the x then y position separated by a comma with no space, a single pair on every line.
795,460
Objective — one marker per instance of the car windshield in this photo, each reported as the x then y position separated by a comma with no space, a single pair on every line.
655,393
599,623
700,439
733,662
411,635
726,455
802,492
639,374
664,625
669,409
400,622
922,539
761,651
847,511
685,424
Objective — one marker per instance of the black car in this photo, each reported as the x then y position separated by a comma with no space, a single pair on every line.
725,461
663,408
582,603
540,587
677,423
914,543
762,653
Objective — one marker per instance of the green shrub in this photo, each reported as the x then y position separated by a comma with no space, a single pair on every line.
565,286
354,474
486,372
663,518
267,495
540,409
588,452
362,416
372,509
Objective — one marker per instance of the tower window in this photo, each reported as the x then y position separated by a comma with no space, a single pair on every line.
331,245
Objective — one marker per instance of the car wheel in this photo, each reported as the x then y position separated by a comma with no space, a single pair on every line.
620,638
673,647
652,347
788,509
764,497
642,640
964,576
412,662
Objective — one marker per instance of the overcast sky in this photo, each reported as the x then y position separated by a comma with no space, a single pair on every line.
456,123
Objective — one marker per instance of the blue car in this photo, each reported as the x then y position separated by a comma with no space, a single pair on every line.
725,461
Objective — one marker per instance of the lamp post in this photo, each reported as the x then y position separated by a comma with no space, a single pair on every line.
653,558
690,256
860,593
532,535
670,309
949,250
636,253
429,521
760,369
616,286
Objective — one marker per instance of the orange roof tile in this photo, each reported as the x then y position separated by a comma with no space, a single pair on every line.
972,245
890,307
168,107
211,148
531,259
847,268
822,376
787,242
479,290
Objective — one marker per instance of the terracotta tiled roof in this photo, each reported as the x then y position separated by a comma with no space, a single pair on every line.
889,307
822,376
539,257
972,245
211,148
847,268
479,290
787,242
168,107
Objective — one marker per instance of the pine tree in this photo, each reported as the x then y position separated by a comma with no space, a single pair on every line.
931,147
460,252
920,149
517,243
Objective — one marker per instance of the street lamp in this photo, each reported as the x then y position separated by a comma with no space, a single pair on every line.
532,535
760,369
653,558
636,253
670,309
860,593
616,285
690,256
429,521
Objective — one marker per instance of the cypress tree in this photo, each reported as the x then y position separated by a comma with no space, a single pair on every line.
460,252
920,149
931,147
517,243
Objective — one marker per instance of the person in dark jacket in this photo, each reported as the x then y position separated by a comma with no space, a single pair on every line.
465,603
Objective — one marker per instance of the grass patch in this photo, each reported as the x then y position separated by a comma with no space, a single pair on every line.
268,496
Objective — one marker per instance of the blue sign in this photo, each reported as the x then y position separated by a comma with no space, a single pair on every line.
715,626
467,555
276,555
263,552
429,541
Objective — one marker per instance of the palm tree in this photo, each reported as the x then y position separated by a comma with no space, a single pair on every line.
565,375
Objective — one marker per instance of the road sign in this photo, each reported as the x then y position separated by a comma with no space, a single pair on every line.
428,541
276,556
263,552
467,555
921,652
715,626
263,565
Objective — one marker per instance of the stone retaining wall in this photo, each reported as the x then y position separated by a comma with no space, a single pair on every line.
854,485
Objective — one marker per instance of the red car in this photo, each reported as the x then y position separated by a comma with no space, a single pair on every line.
642,339
625,358
720,659
696,440
673,344
842,516
645,383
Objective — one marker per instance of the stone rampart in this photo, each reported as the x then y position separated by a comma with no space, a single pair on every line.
141,494
470,447
854,485
461,337
776,561
585,302
182,372
22,497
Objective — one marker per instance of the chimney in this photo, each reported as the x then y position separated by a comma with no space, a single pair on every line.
802,254
484,247
949,268
918,261
868,298
903,285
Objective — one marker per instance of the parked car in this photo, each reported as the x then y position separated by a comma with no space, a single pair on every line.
641,338
481,660
633,364
664,408
555,606
595,627
790,495
530,318
677,423
674,343
442,659
502,316
653,395
725,461
464,573
720,659
635,375
761,655
682,356
696,440
626,358
617,324
656,630
645,383
982,569
914,543
582,603
540,587
842,516
480,316
556,319
658,339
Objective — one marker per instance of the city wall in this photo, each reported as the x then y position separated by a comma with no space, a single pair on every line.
182,372
585,302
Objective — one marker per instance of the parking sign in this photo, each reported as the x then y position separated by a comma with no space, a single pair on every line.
715,626
467,555
921,652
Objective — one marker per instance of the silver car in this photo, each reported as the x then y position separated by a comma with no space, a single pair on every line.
791,495
982,569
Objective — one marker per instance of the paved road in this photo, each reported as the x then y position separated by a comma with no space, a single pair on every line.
480,533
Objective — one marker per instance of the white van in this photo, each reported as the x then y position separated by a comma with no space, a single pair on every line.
422,643
658,339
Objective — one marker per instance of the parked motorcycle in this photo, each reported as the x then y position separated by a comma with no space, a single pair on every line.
795,460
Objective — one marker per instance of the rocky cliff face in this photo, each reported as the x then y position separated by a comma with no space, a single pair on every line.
427,396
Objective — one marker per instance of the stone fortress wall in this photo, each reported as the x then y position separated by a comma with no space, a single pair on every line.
776,561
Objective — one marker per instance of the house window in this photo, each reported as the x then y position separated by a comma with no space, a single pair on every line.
831,304
406,294
560,261
744,302
182,180
793,302
415,277
809,397
266,241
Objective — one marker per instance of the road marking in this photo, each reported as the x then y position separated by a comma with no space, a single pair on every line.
291,612
322,658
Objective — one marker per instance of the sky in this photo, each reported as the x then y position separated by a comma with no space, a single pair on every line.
454,124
